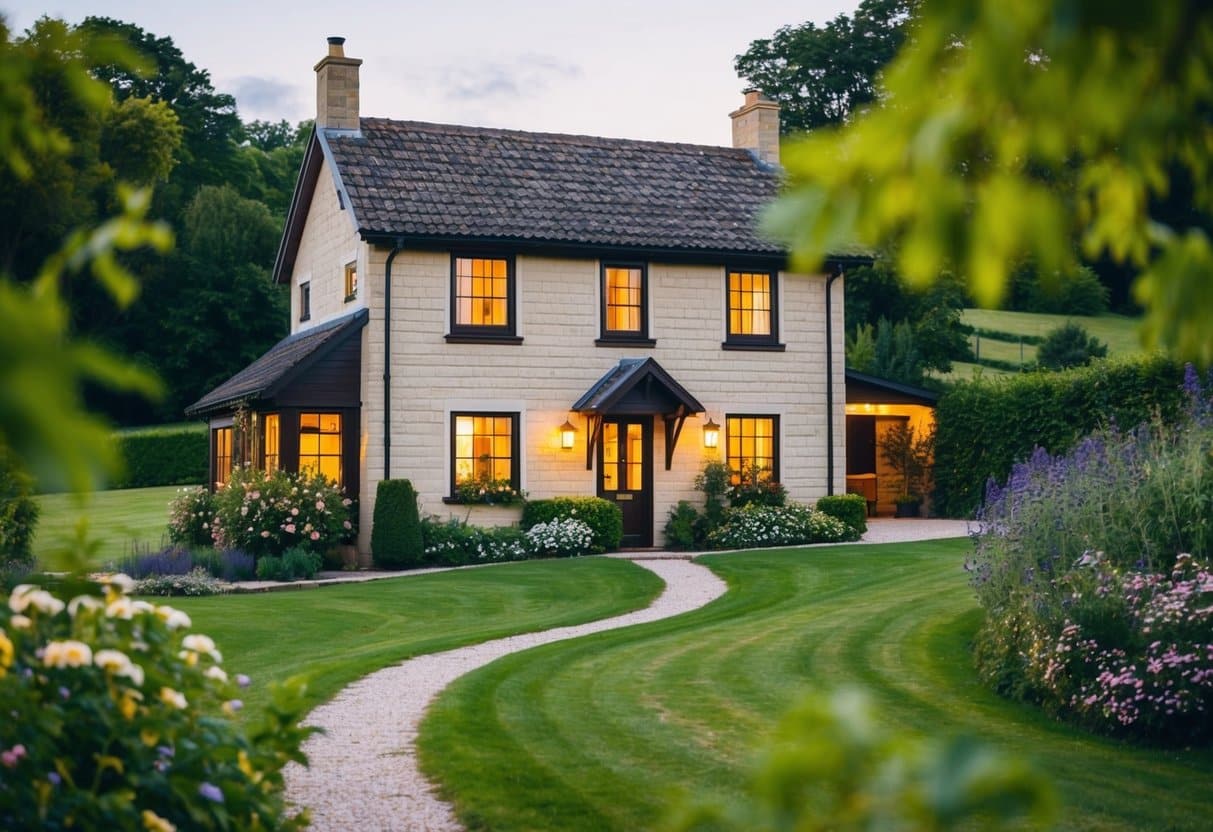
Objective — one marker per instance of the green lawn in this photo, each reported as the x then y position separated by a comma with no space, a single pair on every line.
337,634
117,521
604,731
1117,331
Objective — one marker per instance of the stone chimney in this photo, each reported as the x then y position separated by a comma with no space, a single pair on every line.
756,126
337,89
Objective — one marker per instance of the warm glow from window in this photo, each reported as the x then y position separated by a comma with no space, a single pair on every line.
624,293
750,444
271,424
351,281
749,303
484,448
223,455
482,292
320,444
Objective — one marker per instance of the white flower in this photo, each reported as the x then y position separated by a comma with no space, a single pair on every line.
67,654
174,619
88,602
173,698
123,583
20,622
215,672
26,595
121,607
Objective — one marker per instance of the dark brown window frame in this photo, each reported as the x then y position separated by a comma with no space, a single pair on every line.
515,446
775,447
471,333
609,338
742,341
305,300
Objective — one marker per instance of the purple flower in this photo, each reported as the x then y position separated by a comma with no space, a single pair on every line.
211,792
242,680
53,778
64,693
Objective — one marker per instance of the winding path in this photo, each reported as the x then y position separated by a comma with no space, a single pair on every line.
363,773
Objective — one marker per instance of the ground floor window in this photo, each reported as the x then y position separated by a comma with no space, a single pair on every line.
752,446
271,441
484,449
320,445
223,455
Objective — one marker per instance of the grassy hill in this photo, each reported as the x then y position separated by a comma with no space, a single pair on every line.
1001,336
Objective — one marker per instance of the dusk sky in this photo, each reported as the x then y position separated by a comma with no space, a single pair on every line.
661,69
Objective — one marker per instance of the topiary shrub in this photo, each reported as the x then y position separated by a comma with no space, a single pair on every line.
1069,346
602,516
396,539
116,716
851,509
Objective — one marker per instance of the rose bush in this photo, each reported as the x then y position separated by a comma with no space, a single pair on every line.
266,514
118,717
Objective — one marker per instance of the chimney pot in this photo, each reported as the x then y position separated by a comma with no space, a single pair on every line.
336,45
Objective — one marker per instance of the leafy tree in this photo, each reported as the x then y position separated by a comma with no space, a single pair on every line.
895,354
1078,292
1069,346
43,426
1018,130
820,75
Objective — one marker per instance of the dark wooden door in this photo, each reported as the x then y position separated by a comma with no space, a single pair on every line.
861,444
625,474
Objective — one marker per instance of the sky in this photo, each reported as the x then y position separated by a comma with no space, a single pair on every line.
660,70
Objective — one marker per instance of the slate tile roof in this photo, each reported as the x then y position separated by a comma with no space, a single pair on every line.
419,179
267,373
618,381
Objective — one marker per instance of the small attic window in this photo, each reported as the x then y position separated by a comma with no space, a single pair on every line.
351,281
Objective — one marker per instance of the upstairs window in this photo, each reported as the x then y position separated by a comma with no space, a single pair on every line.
305,301
482,296
624,302
351,281
752,309
320,444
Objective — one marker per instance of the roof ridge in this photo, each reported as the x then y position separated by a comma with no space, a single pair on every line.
567,138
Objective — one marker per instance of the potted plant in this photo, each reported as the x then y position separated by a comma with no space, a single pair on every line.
910,458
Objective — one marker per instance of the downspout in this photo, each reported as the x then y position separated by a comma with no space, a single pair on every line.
830,382
387,359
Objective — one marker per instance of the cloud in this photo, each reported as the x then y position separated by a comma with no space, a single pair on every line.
266,98
525,76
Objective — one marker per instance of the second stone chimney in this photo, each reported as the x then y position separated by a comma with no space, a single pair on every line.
756,126
337,89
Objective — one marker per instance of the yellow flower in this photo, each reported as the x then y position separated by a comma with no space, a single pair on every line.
6,653
67,654
152,822
149,737
128,704
173,698
242,761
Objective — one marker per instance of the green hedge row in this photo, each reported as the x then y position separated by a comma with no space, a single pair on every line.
168,456
986,425
1011,337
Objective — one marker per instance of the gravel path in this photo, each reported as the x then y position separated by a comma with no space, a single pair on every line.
363,773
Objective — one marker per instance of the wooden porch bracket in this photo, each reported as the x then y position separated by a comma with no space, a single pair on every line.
594,432
673,429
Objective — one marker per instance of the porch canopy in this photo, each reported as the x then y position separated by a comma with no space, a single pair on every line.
637,387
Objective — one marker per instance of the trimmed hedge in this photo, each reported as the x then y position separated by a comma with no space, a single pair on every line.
18,516
163,456
396,541
602,516
851,509
984,426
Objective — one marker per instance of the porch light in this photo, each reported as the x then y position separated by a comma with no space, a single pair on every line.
711,434
568,434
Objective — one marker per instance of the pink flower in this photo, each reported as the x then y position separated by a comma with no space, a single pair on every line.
289,528
294,512
265,533
348,524
320,505
315,535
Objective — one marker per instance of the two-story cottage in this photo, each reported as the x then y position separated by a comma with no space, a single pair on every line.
567,314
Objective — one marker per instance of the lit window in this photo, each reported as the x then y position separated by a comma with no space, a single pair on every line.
482,296
320,444
752,446
305,301
351,281
223,455
270,441
484,449
623,297
751,307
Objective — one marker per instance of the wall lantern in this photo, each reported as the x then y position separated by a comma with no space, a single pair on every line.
711,434
568,433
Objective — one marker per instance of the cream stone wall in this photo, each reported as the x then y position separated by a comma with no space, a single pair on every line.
329,241
558,318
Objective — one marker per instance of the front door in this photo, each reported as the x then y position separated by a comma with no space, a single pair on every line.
625,474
